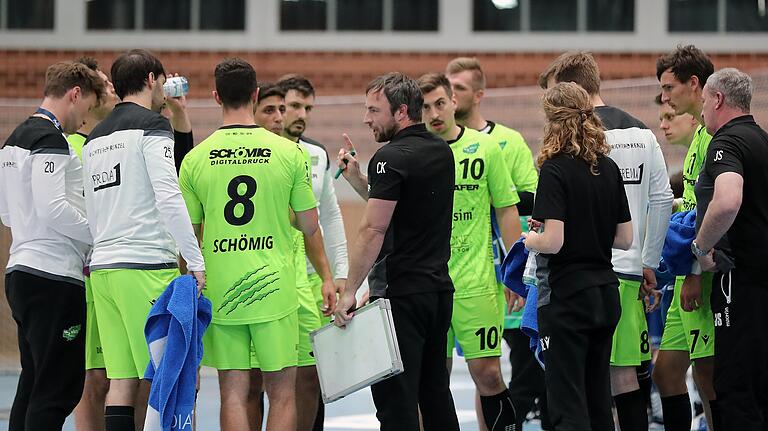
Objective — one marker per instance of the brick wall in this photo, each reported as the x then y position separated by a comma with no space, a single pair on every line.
22,72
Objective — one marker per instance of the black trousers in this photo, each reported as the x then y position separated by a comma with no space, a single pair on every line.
741,351
50,316
527,381
576,334
421,323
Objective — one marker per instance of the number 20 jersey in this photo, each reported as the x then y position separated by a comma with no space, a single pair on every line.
240,183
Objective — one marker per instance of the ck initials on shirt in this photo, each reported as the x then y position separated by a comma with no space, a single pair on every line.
380,167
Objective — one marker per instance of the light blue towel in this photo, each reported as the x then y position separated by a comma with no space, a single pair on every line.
530,324
174,334
677,244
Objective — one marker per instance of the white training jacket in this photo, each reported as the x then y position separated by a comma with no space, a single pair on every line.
135,209
637,153
329,214
41,200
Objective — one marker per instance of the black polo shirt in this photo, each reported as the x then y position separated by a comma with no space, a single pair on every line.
590,206
415,169
741,146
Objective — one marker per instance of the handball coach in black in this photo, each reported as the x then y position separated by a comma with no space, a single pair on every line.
407,224
731,194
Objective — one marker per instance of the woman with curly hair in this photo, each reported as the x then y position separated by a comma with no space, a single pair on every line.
581,205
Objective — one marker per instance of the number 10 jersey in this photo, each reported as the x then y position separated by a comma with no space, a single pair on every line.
240,184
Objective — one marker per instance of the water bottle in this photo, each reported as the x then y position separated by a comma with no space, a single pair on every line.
529,274
176,86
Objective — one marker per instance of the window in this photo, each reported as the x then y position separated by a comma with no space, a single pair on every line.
414,15
359,15
496,15
303,14
356,15
222,15
167,15
610,15
746,15
692,15
554,15
30,14
110,14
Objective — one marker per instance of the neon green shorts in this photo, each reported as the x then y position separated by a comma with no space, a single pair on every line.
692,331
476,324
123,298
631,344
94,358
268,346
309,319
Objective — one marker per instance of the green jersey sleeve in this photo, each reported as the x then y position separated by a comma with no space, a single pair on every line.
76,141
500,186
517,156
194,205
302,196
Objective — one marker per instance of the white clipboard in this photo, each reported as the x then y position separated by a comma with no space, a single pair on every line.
364,353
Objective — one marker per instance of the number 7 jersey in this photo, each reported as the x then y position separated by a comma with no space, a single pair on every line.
240,184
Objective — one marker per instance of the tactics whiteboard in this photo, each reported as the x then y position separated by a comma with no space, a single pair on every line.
363,353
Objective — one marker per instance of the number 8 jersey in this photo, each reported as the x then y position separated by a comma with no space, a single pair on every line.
240,184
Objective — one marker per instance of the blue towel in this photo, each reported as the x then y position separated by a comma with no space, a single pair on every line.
174,334
677,245
513,267
530,324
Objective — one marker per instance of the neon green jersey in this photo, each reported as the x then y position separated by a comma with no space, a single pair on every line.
240,182
299,251
694,160
481,179
517,156
76,141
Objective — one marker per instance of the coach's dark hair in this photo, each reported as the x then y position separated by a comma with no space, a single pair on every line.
685,62
91,62
399,90
268,89
429,82
235,82
131,70
63,76
296,82
578,67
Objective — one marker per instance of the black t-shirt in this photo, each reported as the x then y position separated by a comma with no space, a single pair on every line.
182,144
741,146
590,206
415,169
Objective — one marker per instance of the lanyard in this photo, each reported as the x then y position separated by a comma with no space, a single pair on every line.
50,116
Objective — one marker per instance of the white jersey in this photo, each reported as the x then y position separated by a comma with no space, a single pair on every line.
41,200
329,215
637,153
134,205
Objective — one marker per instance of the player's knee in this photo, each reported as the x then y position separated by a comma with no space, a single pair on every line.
306,380
487,376
623,380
